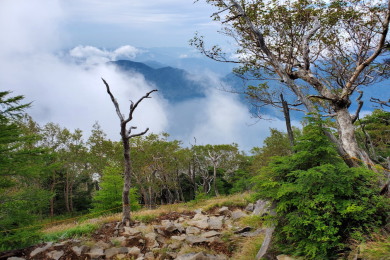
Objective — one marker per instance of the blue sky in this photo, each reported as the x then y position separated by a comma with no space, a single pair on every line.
55,52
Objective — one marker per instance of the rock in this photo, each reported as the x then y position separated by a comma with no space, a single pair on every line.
201,256
210,234
55,254
133,241
115,250
198,211
200,222
252,234
149,256
96,252
79,250
238,214
195,240
179,238
190,230
285,257
175,245
102,244
224,211
216,223
39,250
134,251
242,230
151,241
250,207
131,231
262,208
15,258
116,241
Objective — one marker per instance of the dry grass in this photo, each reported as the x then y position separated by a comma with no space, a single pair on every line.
248,248
231,200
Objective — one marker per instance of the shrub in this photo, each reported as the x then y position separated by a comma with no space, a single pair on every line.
321,202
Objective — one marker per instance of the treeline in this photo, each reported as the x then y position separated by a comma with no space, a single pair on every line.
50,171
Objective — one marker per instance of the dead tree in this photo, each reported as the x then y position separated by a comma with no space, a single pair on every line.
125,136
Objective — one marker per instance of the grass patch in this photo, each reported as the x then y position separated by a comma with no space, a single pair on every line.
77,231
376,250
249,248
252,221
145,218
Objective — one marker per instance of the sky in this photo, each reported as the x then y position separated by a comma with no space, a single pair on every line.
55,52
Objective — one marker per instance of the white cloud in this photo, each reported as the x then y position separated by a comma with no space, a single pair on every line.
73,95
91,55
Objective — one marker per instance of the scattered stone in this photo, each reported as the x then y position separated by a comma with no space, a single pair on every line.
216,223
253,234
190,230
55,254
201,256
201,223
262,208
224,211
198,211
134,251
242,230
96,252
195,240
179,238
175,245
39,250
102,244
131,231
116,241
210,234
15,258
250,207
151,241
238,214
115,250
79,250
149,256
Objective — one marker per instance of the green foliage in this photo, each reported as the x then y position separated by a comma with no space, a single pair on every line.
373,133
21,165
109,196
78,231
321,203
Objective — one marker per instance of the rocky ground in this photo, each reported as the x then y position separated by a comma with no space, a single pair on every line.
192,235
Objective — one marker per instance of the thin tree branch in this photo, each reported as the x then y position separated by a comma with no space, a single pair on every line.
118,111
144,132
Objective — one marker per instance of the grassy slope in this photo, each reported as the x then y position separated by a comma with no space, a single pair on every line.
243,248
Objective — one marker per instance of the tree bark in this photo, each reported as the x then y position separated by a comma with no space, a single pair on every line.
126,136
215,180
286,113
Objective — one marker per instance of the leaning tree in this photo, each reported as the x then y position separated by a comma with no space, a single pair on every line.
322,52
126,135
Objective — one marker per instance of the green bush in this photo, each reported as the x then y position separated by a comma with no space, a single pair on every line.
109,197
321,202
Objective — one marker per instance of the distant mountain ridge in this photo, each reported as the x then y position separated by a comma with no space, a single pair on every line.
174,84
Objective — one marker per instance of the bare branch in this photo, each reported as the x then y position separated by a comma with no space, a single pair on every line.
360,102
118,112
144,132
381,102
134,106
350,86
306,38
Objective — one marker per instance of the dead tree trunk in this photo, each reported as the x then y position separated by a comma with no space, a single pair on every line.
126,136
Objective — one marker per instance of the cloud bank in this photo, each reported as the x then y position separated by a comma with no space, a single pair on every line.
66,88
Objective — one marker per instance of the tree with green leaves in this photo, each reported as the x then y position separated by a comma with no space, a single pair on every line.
109,195
22,198
320,202
321,52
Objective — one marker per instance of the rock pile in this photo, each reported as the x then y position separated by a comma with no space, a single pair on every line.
166,239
